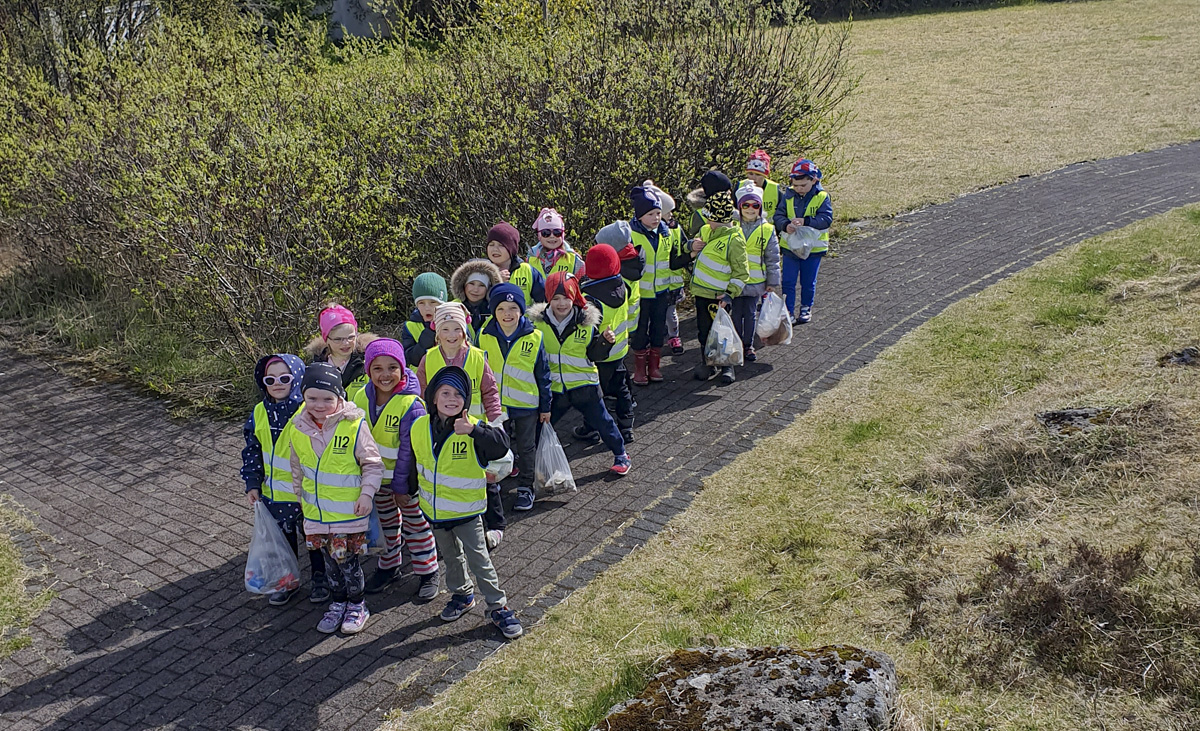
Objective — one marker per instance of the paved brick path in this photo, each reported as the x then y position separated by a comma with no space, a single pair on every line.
146,527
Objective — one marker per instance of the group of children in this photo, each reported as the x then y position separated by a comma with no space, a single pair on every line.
359,429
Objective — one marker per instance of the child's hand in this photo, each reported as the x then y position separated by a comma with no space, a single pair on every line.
544,418
791,228
609,336
362,506
254,496
697,246
462,425
504,275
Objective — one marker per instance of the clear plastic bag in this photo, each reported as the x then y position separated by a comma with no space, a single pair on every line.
498,469
271,564
724,347
774,325
802,241
552,470
376,543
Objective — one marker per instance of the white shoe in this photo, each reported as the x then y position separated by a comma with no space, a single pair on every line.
493,538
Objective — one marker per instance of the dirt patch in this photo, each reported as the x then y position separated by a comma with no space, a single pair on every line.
1189,356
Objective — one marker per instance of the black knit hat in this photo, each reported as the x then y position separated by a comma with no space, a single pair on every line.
324,376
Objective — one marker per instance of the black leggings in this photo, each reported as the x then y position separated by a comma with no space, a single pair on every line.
346,579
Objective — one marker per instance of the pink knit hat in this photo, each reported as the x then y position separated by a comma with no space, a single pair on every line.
548,218
332,316
452,312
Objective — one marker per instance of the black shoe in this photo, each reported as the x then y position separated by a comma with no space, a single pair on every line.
380,580
749,355
586,433
703,372
319,594
627,436
727,375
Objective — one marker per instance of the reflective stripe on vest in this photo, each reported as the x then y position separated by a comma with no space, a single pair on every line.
756,252
386,428
656,277
621,322
676,280
569,365
810,210
276,457
333,481
518,385
565,263
712,269
523,278
451,484
473,365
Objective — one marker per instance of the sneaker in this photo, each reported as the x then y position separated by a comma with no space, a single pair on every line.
508,623
279,598
515,472
804,316
621,465
586,433
319,593
332,621
627,436
749,354
357,615
428,588
727,375
524,499
492,538
380,580
703,372
676,346
457,606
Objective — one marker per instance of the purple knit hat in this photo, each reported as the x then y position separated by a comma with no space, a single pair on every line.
383,346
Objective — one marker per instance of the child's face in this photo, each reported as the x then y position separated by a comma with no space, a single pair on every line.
803,184
341,340
750,210
476,291
277,389
561,306
321,403
427,308
386,373
497,254
451,336
651,219
508,314
669,218
551,238
759,179
449,402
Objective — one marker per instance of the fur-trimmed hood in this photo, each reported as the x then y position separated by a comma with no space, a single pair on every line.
458,280
590,317
696,199
316,350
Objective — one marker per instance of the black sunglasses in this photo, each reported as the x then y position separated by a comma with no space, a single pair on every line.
551,232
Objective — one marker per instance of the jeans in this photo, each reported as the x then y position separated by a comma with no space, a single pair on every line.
652,323
588,401
745,313
461,546
807,270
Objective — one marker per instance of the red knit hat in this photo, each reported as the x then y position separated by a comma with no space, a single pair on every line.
566,284
602,262
759,162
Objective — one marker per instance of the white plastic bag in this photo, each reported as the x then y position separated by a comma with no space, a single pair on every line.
724,347
802,241
498,469
552,471
774,322
271,564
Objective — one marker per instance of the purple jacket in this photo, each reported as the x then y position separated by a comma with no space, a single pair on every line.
404,460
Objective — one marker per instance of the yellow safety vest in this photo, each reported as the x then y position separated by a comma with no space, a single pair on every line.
276,457
473,365
518,385
656,277
523,278
333,481
569,364
809,211
452,484
770,199
565,263
621,321
386,429
756,252
415,329
712,269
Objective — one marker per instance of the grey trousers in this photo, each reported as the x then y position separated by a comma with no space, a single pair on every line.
463,546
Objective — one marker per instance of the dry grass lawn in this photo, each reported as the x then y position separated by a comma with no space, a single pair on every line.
18,605
952,102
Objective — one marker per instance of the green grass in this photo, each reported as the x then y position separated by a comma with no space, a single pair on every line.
19,603
938,508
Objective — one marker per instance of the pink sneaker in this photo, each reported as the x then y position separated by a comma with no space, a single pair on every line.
676,345
621,465
356,617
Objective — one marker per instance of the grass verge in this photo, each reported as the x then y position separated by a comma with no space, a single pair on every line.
20,603
1021,579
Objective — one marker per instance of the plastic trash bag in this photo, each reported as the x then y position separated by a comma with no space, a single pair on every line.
774,325
271,564
552,471
724,347
498,469
376,543
802,241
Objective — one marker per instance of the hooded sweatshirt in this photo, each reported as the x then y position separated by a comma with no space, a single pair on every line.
541,367
366,452
278,414
404,458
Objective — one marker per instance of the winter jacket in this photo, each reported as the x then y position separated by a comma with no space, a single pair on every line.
278,414
539,282
770,262
478,311
415,348
317,352
822,221
598,348
488,390
366,453
541,368
633,261
404,459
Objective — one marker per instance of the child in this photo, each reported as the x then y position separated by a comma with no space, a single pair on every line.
653,237
758,169
552,253
450,448
609,293
712,182
574,345
762,259
503,243
805,203
514,347
470,284
266,466
675,281
337,466
718,257
391,401
341,345
450,321
418,336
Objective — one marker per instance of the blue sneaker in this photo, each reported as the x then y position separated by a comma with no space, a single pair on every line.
457,606
621,465
524,499
507,623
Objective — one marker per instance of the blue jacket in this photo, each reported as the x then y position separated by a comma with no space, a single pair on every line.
278,414
541,368
401,473
821,221
539,282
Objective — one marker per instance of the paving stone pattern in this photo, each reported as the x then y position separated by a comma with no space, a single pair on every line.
145,525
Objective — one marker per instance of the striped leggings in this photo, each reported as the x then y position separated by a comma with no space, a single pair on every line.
413,531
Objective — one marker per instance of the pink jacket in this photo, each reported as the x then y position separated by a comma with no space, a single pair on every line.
365,451
487,385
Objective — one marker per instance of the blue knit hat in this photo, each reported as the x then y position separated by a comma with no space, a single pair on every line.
643,201
506,292
454,377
